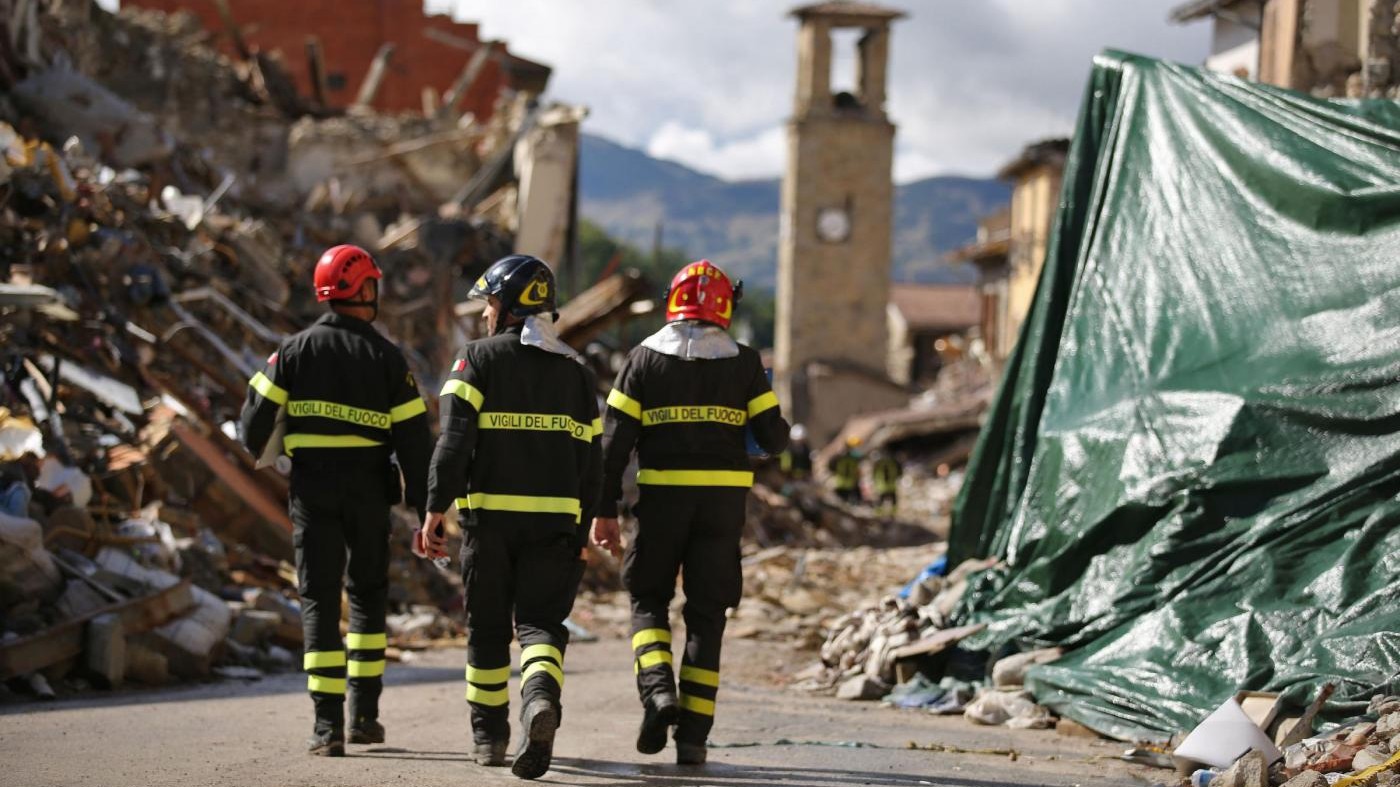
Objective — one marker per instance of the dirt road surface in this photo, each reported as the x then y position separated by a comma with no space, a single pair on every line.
251,735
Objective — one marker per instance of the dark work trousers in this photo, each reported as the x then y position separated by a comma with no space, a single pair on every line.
518,584
693,530
340,516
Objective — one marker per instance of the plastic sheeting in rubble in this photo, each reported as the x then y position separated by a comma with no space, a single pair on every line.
1192,468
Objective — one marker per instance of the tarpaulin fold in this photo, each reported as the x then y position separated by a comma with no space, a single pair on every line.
1192,466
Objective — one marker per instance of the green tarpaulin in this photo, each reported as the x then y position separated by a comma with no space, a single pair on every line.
1192,468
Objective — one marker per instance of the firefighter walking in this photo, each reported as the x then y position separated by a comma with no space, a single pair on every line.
350,405
520,458
884,474
683,400
845,472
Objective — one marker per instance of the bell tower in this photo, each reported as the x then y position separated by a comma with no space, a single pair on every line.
836,219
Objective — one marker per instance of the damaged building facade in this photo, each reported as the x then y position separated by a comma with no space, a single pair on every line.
1330,48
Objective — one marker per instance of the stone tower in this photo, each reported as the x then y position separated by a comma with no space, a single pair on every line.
837,209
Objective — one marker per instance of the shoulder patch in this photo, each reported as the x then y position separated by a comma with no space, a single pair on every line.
459,366
271,359
412,383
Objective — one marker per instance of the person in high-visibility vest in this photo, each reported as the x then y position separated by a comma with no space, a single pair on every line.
885,474
350,404
684,400
796,460
845,471
520,457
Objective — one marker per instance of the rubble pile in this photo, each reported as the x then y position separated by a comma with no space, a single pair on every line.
883,642
158,204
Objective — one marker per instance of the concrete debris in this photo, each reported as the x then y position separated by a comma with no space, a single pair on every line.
1251,770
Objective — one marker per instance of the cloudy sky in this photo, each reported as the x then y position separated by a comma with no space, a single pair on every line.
709,83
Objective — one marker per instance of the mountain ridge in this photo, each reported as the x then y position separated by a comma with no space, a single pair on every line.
735,223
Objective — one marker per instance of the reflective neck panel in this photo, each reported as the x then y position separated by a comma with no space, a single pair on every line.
691,340
540,332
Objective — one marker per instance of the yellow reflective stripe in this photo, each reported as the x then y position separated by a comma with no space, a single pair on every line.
465,391
695,477
294,441
487,676
356,641
536,422
690,414
365,669
648,660
544,666
494,697
315,408
407,410
325,685
698,705
541,652
762,403
319,659
522,504
597,427
625,403
269,390
650,636
704,677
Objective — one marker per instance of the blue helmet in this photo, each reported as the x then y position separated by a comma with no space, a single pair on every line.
524,285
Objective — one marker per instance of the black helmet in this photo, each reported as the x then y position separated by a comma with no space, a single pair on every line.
524,284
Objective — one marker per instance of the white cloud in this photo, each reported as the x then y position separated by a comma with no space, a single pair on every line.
758,156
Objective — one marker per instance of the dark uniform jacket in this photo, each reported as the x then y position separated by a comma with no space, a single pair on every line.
521,439
687,419
350,400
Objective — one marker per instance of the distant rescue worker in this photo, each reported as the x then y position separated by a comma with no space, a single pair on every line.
351,408
684,399
520,456
845,471
885,473
796,459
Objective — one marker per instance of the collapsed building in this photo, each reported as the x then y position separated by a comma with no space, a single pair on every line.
159,202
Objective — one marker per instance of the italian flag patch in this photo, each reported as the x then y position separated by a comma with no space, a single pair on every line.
459,366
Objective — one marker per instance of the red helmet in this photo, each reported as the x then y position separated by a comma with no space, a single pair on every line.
341,270
701,291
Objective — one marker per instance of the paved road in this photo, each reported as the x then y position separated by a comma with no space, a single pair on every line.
251,734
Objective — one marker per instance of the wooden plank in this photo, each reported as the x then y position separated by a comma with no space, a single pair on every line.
377,68
247,487
316,71
65,640
465,80
939,641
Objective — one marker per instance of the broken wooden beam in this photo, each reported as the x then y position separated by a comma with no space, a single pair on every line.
65,640
377,69
465,80
316,71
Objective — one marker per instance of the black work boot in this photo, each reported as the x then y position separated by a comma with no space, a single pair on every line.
690,753
491,754
540,720
366,731
659,712
326,742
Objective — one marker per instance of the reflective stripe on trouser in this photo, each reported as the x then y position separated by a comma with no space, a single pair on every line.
651,654
365,668
516,586
698,689
693,532
341,526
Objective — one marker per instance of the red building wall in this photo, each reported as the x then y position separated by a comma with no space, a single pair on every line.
350,34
